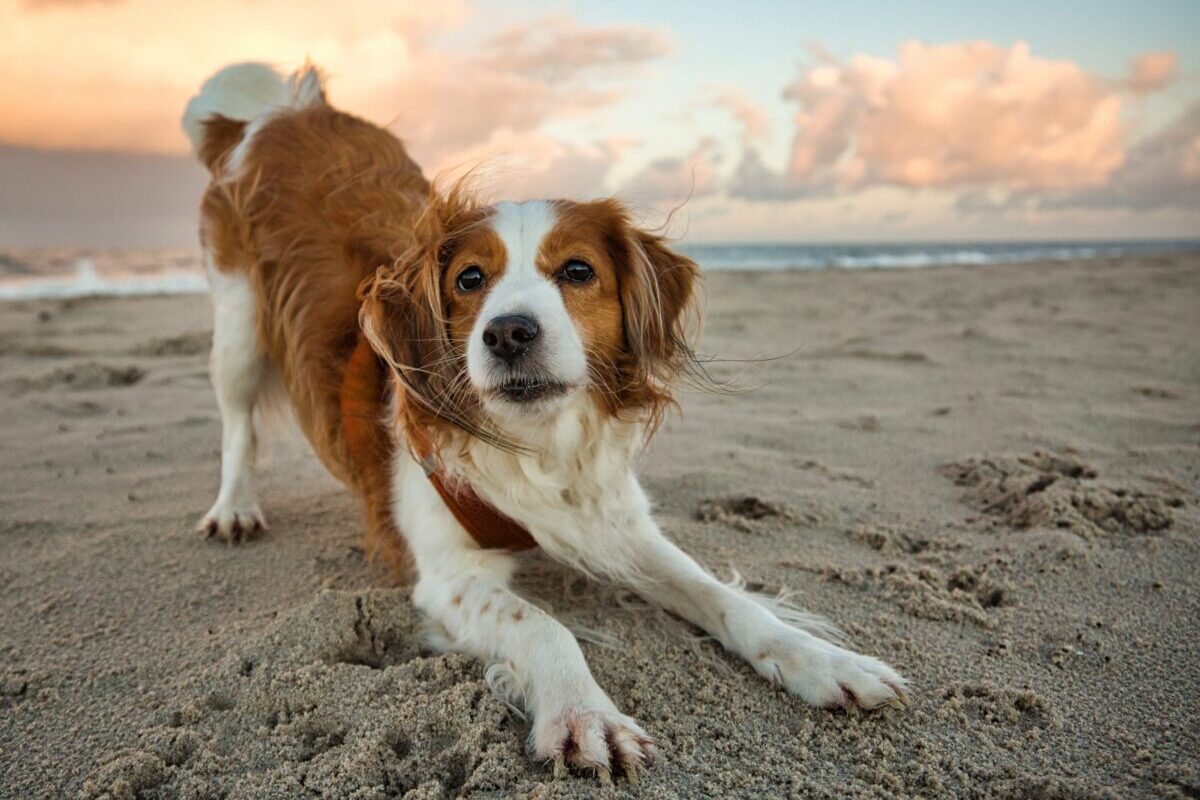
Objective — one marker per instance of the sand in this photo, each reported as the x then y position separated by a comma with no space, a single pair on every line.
988,476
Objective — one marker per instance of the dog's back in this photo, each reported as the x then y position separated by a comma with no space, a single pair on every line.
305,202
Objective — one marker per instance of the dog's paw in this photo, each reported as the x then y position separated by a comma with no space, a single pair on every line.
232,525
600,740
828,676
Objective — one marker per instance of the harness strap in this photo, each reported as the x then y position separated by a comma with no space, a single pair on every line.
491,529
362,387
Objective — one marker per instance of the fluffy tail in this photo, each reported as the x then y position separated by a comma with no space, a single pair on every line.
240,93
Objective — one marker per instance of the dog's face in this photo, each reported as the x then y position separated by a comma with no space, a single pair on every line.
538,302
534,293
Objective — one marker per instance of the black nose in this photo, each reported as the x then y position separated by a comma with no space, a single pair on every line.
510,337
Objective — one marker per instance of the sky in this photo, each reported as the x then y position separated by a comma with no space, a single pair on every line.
764,121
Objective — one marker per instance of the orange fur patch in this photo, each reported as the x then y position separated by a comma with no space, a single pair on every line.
322,201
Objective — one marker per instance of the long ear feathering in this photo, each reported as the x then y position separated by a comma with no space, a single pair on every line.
663,314
404,319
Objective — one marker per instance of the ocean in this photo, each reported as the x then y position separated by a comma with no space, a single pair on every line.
909,255
66,273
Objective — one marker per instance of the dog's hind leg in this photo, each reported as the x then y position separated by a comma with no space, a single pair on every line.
238,368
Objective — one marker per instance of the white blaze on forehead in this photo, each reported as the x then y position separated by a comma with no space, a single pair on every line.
522,227
523,289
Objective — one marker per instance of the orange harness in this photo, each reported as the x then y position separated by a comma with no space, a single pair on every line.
362,388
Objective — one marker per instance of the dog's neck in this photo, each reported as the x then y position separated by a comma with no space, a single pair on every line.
576,454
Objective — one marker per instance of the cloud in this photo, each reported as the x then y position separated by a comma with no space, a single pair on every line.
1160,172
967,115
754,179
674,180
557,49
117,75
749,115
543,70
41,4
1163,171
522,165
1151,72
131,66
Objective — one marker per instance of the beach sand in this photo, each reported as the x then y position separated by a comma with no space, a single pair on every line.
987,476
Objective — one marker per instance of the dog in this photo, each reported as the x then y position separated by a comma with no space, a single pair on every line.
483,376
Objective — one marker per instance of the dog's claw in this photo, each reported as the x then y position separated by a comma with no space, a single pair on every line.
901,697
232,528
598,741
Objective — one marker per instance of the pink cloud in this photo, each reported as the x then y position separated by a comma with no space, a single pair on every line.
40,4
749,115
956,115
546,69
521,165
1150,72
967,115
1162,171
558,49
674,180
116,75
133,64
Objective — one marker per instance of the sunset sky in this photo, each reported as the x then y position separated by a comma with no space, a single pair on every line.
781,121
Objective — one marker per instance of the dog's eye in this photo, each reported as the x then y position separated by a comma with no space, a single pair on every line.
469,279
576,271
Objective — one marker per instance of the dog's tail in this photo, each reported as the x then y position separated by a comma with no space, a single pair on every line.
216,118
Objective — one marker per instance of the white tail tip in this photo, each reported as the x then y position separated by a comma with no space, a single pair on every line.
247,91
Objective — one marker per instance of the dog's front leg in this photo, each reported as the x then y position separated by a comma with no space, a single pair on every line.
464,590
819,671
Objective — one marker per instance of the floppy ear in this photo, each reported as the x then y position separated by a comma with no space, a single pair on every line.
658,303
657,294
404,318
401,318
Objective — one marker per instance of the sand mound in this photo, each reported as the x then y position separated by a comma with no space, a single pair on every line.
1052,490
962,593
743,512
336,700
892,538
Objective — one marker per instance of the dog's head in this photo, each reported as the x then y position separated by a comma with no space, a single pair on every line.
498,316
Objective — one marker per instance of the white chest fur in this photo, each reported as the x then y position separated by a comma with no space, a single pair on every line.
575,487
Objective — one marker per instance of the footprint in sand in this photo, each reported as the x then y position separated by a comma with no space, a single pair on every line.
1001,708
